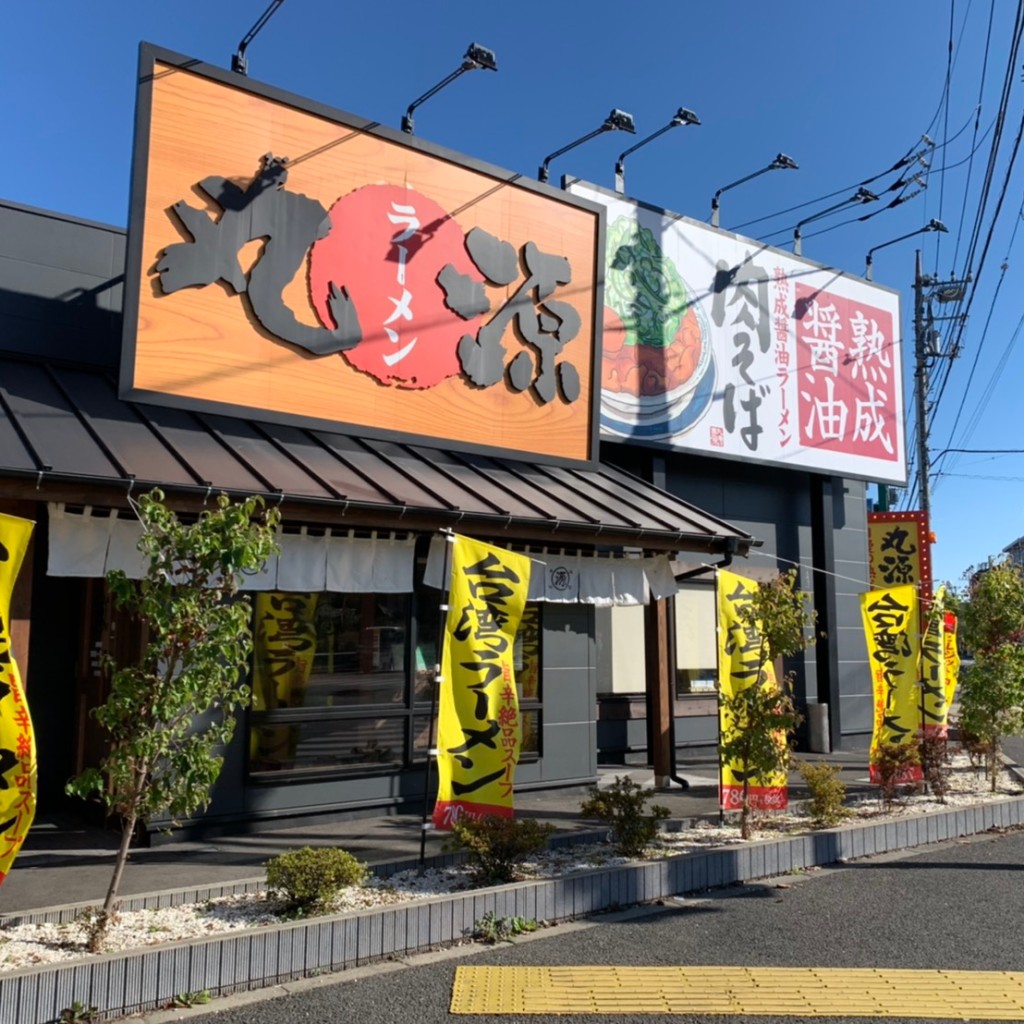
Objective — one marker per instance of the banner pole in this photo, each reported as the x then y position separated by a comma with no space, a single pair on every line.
718,714
425,825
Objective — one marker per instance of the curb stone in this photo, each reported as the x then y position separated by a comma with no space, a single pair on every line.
149,978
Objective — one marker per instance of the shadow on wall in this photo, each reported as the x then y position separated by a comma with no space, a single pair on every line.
79,324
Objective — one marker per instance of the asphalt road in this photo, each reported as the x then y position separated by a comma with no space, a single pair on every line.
956,905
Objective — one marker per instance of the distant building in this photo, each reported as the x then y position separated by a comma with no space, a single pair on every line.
1015,549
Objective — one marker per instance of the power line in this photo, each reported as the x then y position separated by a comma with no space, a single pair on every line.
909,157
875,213
977,122
945,124
964,305
988,240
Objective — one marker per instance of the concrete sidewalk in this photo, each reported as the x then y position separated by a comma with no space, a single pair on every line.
64,861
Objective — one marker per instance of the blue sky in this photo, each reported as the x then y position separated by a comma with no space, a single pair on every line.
846,89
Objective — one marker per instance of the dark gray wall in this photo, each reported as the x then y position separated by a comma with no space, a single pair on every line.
775,505
569,693
61,286
568,743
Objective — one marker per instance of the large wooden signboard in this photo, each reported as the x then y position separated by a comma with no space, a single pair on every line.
293,263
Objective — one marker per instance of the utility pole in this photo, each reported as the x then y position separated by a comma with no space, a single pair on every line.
925,349
921,390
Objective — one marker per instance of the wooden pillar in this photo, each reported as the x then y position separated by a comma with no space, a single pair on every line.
660,698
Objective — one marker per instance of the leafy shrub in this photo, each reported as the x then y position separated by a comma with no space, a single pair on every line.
894,764
933,750
78,1013
310,878
828,793
991,691
186,1000
493,929
976,749
623,806
497,846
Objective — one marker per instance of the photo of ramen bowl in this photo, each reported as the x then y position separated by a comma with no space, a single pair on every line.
657,365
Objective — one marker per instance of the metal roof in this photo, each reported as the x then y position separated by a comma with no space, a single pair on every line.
66,427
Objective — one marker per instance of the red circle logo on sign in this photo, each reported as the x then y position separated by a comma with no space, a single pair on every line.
386,247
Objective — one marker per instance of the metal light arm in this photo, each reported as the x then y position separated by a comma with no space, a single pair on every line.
476,57
682,117
617,120
781,162
238,62
932,225
862,195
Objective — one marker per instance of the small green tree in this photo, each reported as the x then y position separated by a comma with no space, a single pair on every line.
632,826
827,805
168,715
765,716
991,625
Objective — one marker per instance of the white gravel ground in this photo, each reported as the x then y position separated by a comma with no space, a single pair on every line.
27,945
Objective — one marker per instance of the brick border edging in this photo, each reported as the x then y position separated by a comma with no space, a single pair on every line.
122,983
66,912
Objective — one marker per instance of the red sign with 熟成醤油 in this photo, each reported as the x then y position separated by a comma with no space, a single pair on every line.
847,380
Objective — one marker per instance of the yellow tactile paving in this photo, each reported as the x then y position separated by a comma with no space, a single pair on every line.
760,991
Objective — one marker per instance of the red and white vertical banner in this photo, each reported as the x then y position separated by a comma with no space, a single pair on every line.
17,739
951,655
479,731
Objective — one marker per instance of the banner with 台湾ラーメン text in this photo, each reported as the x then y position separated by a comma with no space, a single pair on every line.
891,631
18,767
479,730
740,656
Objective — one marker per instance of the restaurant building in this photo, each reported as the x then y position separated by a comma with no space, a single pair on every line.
388,340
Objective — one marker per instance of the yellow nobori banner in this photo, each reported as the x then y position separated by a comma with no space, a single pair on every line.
892,633
479,732
17,739
934,717
739,657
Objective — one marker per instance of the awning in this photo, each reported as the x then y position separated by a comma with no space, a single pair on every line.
65,427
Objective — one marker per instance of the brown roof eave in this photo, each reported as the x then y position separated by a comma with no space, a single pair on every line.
114,493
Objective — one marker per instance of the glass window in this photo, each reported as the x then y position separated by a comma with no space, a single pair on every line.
328,650
696,639
326,743
330,680
526,654
423,736
426,652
